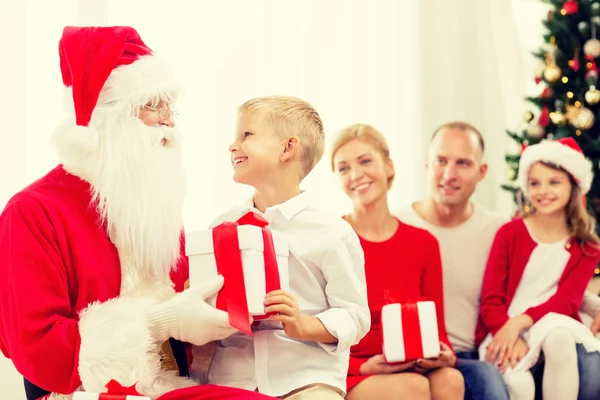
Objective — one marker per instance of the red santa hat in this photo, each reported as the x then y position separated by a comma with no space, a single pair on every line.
564,153
110,66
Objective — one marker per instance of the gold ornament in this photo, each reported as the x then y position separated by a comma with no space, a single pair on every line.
552,73
535,131
528,116
592,48
558,118
511,174
580,117
592,96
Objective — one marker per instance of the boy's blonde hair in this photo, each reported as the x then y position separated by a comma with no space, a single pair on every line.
290,116
365,133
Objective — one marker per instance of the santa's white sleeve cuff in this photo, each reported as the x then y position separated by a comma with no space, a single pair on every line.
162,322
116,343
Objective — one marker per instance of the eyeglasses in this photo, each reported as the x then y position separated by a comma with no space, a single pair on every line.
163,112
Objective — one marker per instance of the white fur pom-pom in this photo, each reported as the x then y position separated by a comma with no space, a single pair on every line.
74,138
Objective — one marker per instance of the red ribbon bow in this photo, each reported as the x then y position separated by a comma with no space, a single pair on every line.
411,325
116,391
115,387
232,298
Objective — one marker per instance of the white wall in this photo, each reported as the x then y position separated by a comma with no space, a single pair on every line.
355,63
343,56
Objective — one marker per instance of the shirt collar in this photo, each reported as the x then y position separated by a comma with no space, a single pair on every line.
287,209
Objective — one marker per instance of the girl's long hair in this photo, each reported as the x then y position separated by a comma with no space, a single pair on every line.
581,224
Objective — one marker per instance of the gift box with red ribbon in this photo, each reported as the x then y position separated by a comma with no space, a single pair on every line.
115,391
410,331
252,259
106,396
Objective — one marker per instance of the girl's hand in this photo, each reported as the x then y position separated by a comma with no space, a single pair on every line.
445,359
502,344
519,351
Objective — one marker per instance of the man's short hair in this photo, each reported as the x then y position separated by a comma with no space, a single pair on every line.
463,126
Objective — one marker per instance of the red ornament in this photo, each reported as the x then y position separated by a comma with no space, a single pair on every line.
570,7
544,117
547,92
574,64
538,79
593,67
523,147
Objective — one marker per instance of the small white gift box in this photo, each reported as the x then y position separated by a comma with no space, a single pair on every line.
203,263
410,331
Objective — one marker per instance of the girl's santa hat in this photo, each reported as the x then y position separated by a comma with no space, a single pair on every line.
564,153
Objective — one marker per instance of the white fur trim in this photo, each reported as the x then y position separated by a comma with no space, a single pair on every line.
57,396
83,140
561,155
116,344
139,81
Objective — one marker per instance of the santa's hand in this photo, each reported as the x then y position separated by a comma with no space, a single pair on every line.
189,318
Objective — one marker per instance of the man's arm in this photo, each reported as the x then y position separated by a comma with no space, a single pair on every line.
51,347
37,330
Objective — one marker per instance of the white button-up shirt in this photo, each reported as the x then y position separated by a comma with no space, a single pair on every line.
326,275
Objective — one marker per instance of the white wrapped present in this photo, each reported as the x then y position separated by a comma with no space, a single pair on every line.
410,331
254,278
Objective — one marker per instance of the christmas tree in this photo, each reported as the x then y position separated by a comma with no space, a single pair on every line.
568,103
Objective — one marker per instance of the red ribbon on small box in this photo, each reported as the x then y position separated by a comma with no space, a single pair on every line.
232,298
115,391
413,342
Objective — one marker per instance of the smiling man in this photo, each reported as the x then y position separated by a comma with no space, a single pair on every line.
465,232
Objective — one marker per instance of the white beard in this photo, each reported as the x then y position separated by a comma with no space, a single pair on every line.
138,187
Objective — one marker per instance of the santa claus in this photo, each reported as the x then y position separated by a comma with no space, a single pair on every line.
91,265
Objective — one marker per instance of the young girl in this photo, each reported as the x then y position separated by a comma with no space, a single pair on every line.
401,260
537,272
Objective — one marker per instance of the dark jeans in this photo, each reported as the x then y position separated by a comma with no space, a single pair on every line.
589,375
483,381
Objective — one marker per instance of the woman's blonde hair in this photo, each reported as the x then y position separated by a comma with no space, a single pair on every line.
367,134
581,224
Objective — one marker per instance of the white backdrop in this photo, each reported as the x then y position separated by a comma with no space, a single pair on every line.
343,56
403,66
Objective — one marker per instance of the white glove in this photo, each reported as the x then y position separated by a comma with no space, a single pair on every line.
189,318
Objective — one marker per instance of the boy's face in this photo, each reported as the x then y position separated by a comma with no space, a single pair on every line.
255,153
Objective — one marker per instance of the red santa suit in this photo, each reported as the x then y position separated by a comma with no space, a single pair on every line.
76,293
57,262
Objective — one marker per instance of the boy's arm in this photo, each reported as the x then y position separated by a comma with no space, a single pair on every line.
348,318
